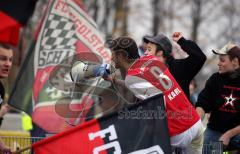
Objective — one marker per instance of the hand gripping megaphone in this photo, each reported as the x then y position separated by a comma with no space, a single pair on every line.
81,71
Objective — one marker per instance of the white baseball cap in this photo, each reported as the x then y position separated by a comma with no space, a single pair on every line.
225,49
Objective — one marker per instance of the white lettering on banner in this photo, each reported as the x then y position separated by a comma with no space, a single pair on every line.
52,57
152,150
114,144
163,79
102,134
173,94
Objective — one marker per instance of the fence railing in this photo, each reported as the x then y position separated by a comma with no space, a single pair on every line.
212,148
17,143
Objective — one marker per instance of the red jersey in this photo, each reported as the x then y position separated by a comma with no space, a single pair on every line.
147,77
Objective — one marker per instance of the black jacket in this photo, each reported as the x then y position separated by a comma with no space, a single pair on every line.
221,98
184,70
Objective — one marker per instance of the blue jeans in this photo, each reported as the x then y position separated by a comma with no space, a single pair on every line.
213,136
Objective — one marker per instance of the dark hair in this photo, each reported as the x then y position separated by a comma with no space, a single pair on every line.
5,46
166,54
124,43
234,53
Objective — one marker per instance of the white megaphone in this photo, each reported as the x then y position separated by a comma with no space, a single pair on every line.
81,71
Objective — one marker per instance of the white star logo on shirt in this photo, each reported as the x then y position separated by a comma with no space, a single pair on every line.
229,100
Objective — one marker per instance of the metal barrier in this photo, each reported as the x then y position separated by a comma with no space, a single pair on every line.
17,143
212,148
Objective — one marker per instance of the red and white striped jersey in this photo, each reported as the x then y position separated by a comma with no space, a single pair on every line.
147,77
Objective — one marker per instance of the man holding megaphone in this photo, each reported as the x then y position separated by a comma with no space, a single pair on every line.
85,70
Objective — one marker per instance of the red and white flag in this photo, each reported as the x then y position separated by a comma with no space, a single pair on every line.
67,34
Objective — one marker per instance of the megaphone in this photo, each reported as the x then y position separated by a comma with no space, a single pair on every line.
81,71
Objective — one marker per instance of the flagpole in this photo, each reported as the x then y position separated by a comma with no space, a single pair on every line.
90,92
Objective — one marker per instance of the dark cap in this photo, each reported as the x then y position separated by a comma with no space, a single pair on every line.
124,43
161,40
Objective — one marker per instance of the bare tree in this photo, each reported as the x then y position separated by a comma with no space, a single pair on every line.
92,7
120,19
95,8
125,18
196,18
232,13
171,15
158,12
104,25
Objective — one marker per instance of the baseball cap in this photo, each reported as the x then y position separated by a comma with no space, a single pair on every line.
160,40
124,43
225,49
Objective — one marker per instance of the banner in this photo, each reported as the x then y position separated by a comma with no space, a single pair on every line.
67,34
141,128
13,15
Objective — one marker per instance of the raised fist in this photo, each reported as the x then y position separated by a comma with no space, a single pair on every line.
176,36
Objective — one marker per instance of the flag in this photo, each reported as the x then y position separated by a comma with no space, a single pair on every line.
67,34
140,128
13,15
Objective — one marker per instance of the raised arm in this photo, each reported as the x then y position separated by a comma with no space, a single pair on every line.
190,47
194,62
